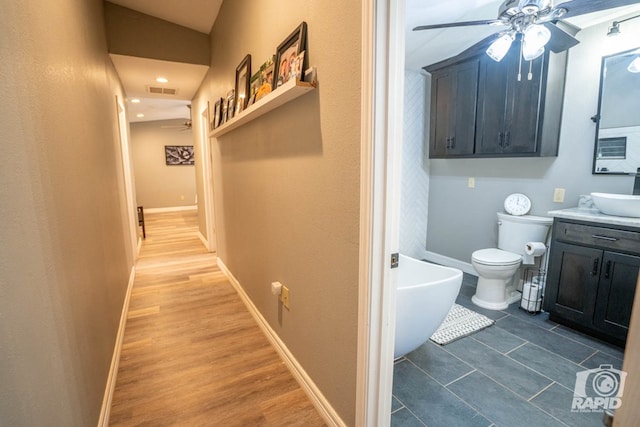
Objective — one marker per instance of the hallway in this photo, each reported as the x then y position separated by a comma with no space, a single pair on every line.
192,354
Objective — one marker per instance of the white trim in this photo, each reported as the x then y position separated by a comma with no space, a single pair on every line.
207,182
381,150
450,262
323,406
203,240
105,411
138,247
171,209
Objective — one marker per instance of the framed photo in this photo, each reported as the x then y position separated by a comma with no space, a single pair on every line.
176,155
217,114
287,52
231,104
243,75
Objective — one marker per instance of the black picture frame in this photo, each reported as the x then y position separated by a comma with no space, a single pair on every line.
216,119
179,155
230,106
243,76
295,43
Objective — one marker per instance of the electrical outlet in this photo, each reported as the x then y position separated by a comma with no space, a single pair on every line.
182,197
558,195
284,296
471,182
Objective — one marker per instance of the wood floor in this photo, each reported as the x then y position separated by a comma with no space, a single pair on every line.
192,353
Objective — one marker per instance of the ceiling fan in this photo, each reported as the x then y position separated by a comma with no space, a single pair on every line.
185,126
534,22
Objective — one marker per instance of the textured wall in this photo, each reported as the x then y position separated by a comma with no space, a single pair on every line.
159,185
462,220
415,166
64,257
287,185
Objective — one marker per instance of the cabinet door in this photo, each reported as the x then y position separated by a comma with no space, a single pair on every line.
453,110
508,108
616,290
572,282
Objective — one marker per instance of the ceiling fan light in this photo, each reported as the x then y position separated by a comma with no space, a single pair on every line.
535,39
634,67
530,54
499,48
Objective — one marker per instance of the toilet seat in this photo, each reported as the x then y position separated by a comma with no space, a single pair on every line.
494,256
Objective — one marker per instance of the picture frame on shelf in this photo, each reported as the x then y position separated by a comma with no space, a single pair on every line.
287,52
243,77
230,104
217,114
210,118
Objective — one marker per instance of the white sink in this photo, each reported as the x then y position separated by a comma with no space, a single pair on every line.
617,204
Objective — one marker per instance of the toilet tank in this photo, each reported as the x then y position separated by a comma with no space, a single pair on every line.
515,231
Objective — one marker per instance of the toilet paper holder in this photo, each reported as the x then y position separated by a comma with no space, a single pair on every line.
533,282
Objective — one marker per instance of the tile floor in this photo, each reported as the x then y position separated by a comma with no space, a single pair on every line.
519,372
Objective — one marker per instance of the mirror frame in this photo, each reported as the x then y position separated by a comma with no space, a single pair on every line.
598,115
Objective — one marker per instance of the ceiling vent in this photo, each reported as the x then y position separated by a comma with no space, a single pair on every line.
161,90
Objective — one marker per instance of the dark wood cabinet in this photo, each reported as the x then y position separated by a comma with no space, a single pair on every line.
481,108
508,109
591,282
453,95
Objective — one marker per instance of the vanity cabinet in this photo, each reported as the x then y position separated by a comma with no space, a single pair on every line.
479,108
453,112
592,276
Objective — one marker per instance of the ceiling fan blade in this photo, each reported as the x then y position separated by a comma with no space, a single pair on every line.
459,24
560,39
581,7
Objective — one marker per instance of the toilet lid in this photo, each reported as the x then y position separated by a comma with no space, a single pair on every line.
496,257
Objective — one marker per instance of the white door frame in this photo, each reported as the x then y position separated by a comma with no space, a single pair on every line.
127,170
381,150
207,178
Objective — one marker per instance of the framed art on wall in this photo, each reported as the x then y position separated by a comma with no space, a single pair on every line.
176,155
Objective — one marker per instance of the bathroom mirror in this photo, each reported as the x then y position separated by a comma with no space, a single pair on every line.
617,145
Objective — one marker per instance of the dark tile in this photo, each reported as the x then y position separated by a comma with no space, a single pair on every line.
498,339
548,364
602,359
518,378
556,400
465,301
438,363
498,404
592,342
433,404
541,319
404,418
546,339
395,404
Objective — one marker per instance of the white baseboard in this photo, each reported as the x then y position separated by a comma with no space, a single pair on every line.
105,411
451,262
203,239
323,406
171,209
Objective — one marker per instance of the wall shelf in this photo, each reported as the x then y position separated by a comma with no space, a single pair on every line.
285,93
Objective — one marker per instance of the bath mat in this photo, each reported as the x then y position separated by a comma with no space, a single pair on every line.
459,323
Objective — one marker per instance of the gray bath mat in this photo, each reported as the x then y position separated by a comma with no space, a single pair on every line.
460,322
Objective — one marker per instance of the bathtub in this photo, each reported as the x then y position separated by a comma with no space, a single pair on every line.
425,294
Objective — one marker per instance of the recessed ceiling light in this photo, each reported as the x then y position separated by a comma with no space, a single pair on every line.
162,80
140,115
135,100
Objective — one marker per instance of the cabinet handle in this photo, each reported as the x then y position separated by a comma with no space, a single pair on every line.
596,263
607,269
507,139
501,137
610,239
448,142
453,142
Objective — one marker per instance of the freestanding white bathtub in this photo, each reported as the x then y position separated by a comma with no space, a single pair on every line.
425,294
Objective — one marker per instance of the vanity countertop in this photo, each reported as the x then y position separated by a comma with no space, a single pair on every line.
594,215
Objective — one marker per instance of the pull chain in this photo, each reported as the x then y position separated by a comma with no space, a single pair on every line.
530,75
520,63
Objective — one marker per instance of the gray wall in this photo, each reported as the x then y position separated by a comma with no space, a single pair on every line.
415,166
159,185
65,252
287,185
462,219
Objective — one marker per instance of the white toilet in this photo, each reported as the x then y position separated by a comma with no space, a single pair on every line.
496,268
